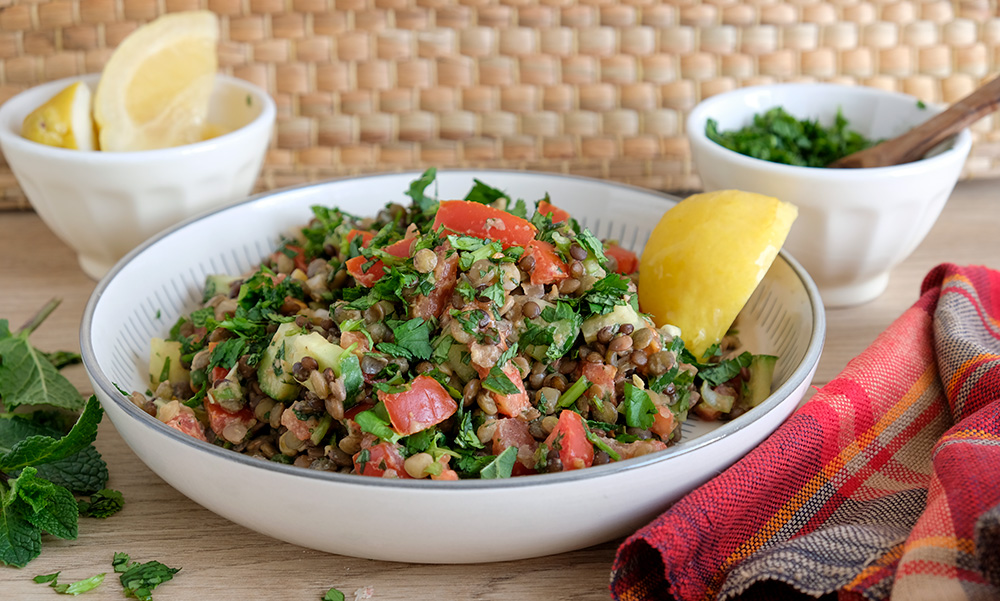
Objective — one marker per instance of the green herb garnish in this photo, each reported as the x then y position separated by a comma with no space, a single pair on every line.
779,137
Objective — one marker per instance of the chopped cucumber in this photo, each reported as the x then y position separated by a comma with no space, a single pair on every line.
723,403
761,375
618,316
288,346
165,362
217,284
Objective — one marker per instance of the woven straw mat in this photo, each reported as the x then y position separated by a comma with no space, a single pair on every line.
596,87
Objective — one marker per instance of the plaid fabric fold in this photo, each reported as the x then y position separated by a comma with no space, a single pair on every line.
885,484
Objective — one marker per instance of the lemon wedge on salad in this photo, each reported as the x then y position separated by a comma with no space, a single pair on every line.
154,91
705,258
64,120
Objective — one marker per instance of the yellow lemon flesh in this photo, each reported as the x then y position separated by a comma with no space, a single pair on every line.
64,120
154,91
705,258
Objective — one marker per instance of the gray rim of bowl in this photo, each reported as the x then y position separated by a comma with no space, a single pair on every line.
266,118
962,141
809,360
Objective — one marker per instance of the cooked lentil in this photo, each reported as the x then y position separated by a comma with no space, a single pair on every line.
417,345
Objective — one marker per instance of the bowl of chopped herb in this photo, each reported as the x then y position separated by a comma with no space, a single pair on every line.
854,225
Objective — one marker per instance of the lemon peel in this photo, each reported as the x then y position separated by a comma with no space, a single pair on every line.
154,91
705,258
64,120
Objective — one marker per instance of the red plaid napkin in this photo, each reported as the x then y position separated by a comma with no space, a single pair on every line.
885,484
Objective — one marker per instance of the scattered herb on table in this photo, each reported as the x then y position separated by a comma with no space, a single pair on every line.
333,595
139,579
73,588
778,137
43,461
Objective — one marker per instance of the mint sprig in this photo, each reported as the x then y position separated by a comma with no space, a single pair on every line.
41,465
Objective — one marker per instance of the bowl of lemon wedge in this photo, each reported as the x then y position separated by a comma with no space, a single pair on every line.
109,159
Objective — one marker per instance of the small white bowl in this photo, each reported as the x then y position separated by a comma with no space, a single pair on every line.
854,225
103,204
420,520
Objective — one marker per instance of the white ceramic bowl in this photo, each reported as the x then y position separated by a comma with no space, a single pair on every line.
854,225
103,204
421,520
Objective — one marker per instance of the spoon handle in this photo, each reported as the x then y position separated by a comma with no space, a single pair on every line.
915,143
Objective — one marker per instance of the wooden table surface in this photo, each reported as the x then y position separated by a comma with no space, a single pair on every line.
221,560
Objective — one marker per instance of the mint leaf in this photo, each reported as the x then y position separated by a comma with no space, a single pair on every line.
20,541
29,506
49,507
502,466
726,370
73,588
28,377
333,595
45,449
103,504
83,472
499,382
639,408
414,336
139,579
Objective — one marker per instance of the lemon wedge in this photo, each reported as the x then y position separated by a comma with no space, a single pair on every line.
154,91
64,120
705,258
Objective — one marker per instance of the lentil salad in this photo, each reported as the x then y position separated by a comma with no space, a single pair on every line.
452,339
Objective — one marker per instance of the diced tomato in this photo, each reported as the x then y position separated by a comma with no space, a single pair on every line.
513,432
512,405
483,221
186,422
446,472
558,215
299,259
401,248
356,409
301,428
366,237
367,277
549,268
425,404
627,260
383,460
601,377
569,437
218,373
374,272
663,422
445,278
219,417
355,337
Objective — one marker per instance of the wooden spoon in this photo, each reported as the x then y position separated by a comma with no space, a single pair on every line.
917,142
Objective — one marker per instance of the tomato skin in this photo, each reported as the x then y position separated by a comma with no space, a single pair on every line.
558,215
628,262
301,428
219,417
570,436
513,432
384,461
483,221
218,373
300,258
549,268
512,405
425,404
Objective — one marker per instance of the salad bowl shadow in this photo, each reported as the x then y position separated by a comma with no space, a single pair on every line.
423,521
